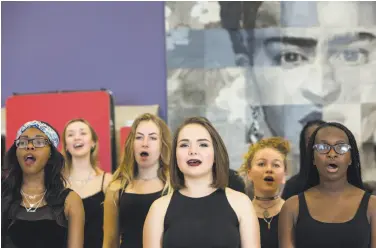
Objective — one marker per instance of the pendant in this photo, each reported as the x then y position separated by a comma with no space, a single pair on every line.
266,213
31,210
268,226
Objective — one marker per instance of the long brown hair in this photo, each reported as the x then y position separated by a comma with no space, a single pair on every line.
128,170
94,161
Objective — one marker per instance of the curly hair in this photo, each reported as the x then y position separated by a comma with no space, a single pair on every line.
277,143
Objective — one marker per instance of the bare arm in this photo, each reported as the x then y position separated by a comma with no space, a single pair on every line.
372,217
153,226
248,223
111,232
75,213
287,222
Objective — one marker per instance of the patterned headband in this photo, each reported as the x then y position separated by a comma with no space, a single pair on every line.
47,130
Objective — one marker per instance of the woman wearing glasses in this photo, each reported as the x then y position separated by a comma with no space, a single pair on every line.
333,209
37,210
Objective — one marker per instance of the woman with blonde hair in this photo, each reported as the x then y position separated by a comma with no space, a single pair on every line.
265,169
141,178
80,149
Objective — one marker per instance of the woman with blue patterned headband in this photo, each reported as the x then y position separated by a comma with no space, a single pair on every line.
38,210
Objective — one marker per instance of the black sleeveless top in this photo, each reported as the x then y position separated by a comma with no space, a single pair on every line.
355,233
45,228
204,222
93,206
132,214
269,237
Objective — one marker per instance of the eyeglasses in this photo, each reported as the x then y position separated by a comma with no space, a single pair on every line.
338,148
37,142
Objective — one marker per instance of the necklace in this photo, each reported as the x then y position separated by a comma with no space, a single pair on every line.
266,213
271,198
81,182
31,207
147,179
268,222
32,197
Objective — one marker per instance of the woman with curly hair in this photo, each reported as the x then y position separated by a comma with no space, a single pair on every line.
265,168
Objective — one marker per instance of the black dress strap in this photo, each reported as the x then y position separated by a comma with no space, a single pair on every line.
363,206
104,173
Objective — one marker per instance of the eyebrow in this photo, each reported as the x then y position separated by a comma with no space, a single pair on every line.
274,160
149,133
36,136
199,140
70,130
351,37
295,41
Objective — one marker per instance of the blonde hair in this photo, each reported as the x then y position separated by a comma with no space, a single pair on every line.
277,143
93,152
127,170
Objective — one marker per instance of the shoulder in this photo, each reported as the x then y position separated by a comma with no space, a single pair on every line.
159,207
372,206
106,180
239,202
162,203
72,202
72,198
236,196
291,206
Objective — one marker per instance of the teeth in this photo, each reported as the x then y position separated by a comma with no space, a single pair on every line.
194,161
78,145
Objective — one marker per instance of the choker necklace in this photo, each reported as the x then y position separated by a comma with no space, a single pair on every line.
146,178
271,198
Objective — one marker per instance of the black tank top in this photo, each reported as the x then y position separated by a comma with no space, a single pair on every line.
204,222
42,228
269,237
93,206
132,215
311,233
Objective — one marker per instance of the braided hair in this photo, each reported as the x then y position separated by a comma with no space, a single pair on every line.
309,173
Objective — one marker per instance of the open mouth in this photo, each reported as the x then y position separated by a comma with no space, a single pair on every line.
268,179
144,154
30,159
332,168
194,162
78,145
